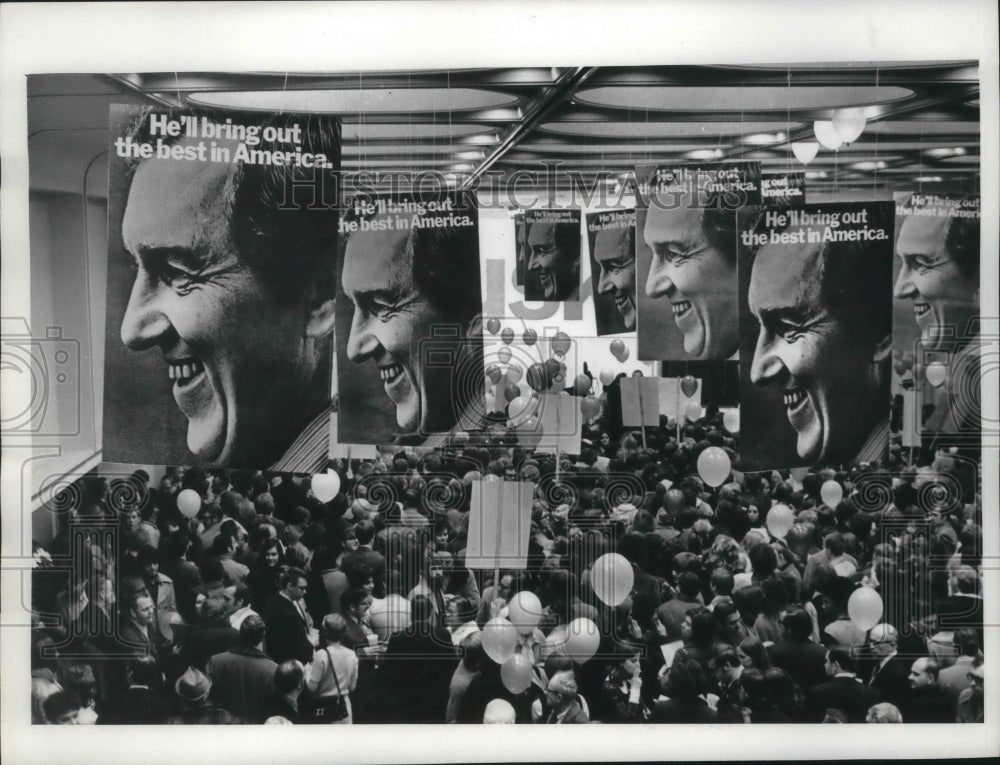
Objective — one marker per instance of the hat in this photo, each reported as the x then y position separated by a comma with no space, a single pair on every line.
193,685
624,512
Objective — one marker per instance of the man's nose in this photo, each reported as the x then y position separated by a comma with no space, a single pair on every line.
144,322
604,284
766,364
904,287
361,343
658,282
533,262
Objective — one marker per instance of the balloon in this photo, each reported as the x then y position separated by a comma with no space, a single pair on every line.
617,349
607,377
731,421
538,377
936,373
560,343
692,411
590,406
831,493
503,354
499,639
611,578
189,503
899,365
582,640
714,466
624,357
514,373
516,673
530,337
909,359
512,392
494,373
326,486
519,405
689,385
507,336
780,519
582,385
524,611
493,325
865,608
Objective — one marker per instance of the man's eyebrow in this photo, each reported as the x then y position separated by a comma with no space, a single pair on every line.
184,256
792,313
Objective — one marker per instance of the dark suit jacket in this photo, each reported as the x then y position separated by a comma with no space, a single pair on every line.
804,661
957,611
927,704
287,636
416,672
892,681
848,694
203,641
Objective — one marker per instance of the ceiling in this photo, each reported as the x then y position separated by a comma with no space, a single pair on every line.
480,126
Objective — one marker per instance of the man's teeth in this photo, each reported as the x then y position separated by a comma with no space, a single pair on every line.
621,299
185,371
921,308
390,372
793,398
679,308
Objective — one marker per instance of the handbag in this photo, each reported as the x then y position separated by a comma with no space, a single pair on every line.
328,709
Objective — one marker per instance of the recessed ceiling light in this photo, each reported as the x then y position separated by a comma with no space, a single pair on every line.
358,100
394,131
704,154
928,179
761,139
877,165
736,98
641,129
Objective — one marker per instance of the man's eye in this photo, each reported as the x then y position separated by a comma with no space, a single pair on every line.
174,277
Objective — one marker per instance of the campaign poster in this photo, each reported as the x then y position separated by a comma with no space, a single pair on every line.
815,334
783,189
408,320
937,346
686,258
552,255
521,254
611,239
222,238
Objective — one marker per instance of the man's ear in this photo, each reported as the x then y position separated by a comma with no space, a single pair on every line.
474,327
321,318
883,349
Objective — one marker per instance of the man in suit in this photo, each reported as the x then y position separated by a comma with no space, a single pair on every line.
844,690
417,667
889,674
142,703
288,622
795,653
160,588
243,677
955,679
184,574
926,702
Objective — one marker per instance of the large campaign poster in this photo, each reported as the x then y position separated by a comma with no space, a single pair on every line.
551,255
222,238
409,319
815,305
937,344
611,239
686,258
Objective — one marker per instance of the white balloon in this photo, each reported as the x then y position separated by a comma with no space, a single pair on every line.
780,520
582,640
326,486
731,420
832,493
611,578
524,611
936,373
189,503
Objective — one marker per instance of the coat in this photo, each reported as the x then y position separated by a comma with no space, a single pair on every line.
848,694
287,632
242,679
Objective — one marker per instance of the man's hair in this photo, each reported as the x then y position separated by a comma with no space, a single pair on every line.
932,668
884,712
962,242
834,542
351,597
855,280
725,655
287,676
967,641
841,655
797,624
291,575
421,609
334,626
143,670
252,631
282,218
59,704
365,531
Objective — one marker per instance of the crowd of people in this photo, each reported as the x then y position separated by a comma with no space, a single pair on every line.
268,605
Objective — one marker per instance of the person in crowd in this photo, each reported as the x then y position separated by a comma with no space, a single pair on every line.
142,702
621,692
194,705
884,712
288,622
561,699
926,701
970,707
334,670
284,702
243,677
844,691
